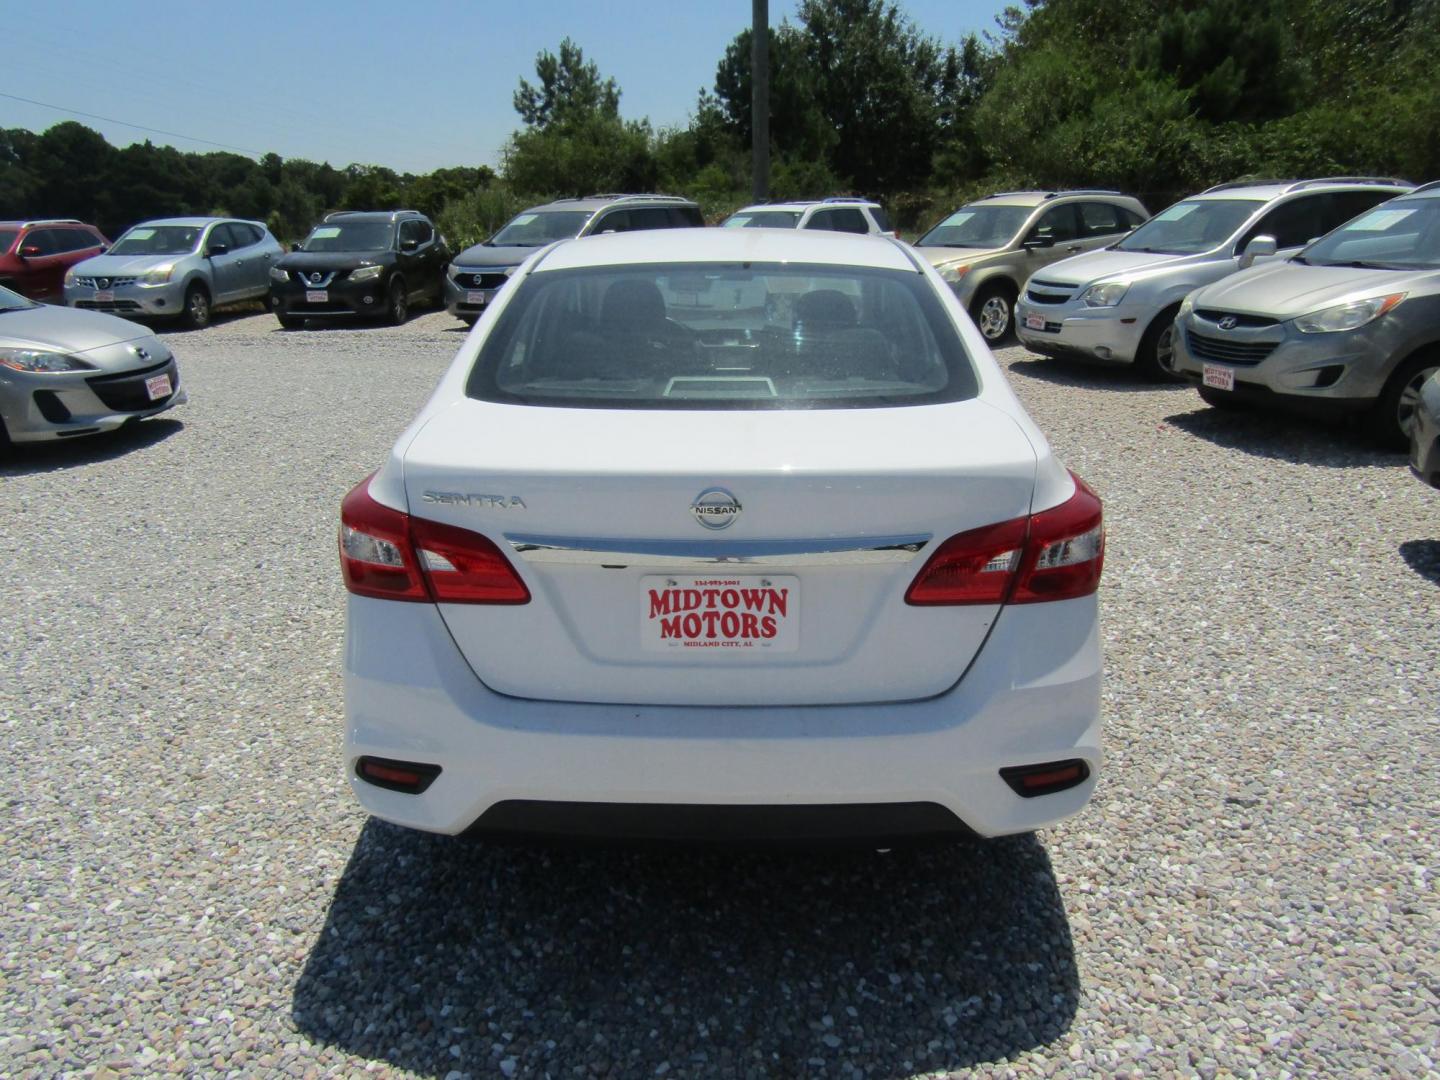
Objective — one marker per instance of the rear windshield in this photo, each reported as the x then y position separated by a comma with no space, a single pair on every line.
352,236
533,229
1191,227
1396,236
978,227
158,240
709,336
763,219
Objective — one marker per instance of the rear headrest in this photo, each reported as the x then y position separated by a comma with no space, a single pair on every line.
633,301
828,307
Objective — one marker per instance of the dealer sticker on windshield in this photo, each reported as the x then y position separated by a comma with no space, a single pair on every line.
726,614
1221,378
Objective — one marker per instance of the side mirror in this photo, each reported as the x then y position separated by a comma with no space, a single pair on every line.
217,249
409,245
104,248
1259,248
30,251
1035,242
294,245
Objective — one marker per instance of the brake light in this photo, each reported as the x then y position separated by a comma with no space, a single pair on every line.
1057,554
392,556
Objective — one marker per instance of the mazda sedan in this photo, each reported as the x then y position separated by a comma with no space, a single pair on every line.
66,373
734,533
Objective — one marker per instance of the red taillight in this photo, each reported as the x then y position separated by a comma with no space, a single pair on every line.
1056,554
392,556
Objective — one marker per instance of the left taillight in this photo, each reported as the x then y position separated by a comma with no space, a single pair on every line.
390,555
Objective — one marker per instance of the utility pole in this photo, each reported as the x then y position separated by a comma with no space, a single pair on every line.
760,100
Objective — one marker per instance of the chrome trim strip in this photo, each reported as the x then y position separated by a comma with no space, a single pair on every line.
619,553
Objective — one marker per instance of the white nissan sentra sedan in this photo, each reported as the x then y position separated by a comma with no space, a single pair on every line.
734,533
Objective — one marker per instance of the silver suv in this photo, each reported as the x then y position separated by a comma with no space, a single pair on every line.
842,213
477,272
1118,305
1349,325
987,248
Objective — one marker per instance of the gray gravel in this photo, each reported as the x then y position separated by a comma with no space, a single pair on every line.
189,887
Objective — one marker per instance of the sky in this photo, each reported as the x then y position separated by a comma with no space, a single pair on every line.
415,87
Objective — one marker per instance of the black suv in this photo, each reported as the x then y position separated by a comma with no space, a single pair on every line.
371,264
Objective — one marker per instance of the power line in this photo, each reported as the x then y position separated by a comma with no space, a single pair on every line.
126,123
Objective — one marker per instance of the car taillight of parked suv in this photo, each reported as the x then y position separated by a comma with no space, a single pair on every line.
34,255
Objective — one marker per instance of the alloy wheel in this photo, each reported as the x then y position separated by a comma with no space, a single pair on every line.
1409,399
995,318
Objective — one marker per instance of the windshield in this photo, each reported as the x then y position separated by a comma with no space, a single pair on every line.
158,240
708,336
350,236
1190,227
13,301
7,237
762,219
1396,236
535,229
978,227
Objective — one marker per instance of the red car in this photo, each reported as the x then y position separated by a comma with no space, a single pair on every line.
34,255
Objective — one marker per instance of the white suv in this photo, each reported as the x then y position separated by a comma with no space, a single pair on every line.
839,214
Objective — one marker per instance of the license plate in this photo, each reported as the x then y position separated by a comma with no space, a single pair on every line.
481,298
316,296
158,387
1220,378
104,297
1034,322
720,614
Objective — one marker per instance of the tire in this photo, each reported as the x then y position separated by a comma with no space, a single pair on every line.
289,322
1221,399
195,315
1152,359
993,311
1389,419
397,303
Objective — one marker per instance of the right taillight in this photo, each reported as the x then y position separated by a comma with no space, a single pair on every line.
1057,554
389,555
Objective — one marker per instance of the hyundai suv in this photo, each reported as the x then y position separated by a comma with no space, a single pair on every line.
34,255
1349,325
841,213
987,248
1118,305
479,271
365,264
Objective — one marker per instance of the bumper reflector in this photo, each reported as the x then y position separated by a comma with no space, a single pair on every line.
411,777
1028,781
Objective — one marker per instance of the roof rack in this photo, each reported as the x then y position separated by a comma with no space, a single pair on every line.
1030,191
52,221
1081,191
1233,184
348,213
622,197
848,199
1388,181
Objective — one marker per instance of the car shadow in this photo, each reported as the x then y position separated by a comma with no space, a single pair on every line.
1089,376
1423,556
1283,437
31,458
440,954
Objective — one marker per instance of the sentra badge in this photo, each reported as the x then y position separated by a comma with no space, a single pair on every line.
476,499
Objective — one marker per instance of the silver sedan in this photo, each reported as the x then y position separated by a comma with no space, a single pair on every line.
65,373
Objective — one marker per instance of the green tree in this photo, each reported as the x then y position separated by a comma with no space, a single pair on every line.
570,89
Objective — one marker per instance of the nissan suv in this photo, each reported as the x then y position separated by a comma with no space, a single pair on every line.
361,264
478,272
1118,305
34,255
1350,325
987,248
841,213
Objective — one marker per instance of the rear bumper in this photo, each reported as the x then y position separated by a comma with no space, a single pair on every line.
1031,696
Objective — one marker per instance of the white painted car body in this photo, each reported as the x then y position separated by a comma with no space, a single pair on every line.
863,699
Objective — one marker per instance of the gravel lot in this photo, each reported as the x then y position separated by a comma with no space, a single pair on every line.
188,886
